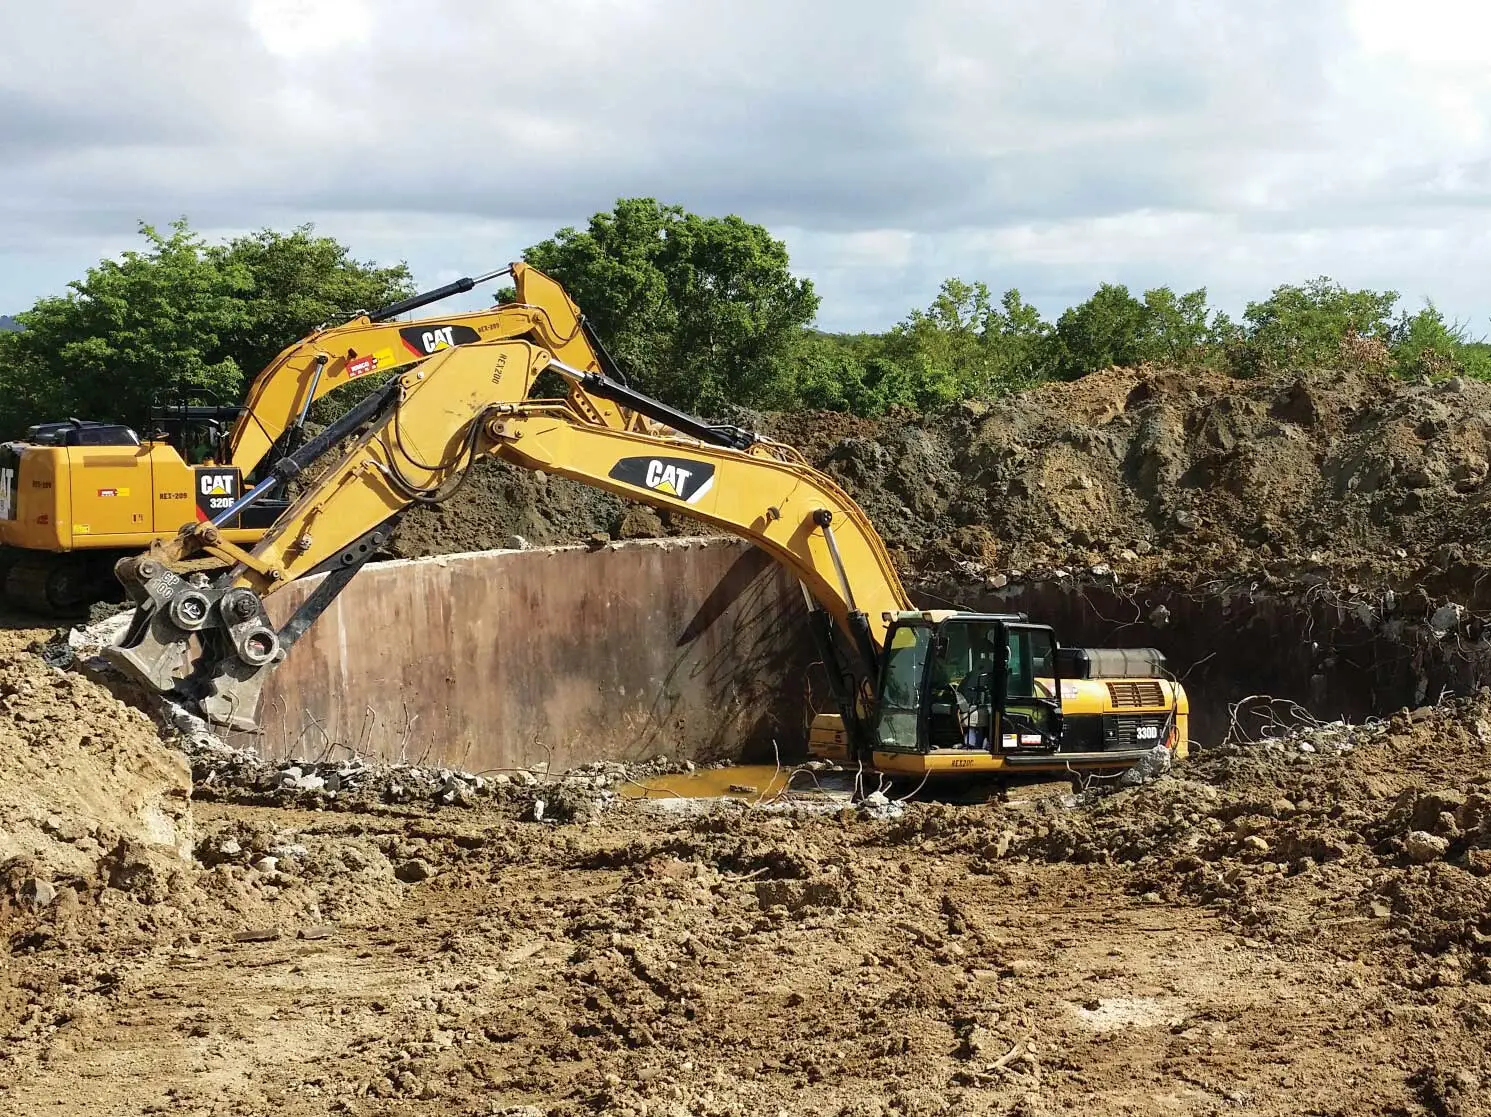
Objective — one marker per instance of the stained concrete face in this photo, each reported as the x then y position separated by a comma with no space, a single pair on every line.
500,659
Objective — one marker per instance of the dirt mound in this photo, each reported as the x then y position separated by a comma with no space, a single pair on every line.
1386,823
1354,473
501,502
1153,471
87,788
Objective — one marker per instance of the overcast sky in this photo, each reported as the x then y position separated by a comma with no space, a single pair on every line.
1044,144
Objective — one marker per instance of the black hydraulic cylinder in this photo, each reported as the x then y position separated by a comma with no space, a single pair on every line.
841,680
859,626
288,467
414,302
339,570
603,355
716,434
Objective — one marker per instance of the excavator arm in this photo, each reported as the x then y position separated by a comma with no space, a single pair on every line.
420,436
282,394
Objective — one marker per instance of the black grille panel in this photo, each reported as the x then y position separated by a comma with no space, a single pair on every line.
1136,693
1113,732
1134,731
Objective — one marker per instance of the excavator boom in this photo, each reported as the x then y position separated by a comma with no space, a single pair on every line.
282,394
421,437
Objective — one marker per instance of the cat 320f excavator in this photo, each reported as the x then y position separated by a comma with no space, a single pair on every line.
77,496
919,692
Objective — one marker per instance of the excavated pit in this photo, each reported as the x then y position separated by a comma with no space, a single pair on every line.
696,649
1252,659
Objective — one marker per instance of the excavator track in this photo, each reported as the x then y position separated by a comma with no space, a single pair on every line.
56,585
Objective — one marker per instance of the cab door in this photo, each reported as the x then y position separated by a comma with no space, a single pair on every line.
1027,719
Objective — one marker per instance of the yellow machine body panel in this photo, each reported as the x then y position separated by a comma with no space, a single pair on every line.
66,498
828,739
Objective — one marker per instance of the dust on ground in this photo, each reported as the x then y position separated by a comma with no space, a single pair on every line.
1156,473
1293,925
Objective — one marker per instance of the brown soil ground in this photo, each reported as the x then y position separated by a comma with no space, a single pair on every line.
1300,926
1156,473
1271,929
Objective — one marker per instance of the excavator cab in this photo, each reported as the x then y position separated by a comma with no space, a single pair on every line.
195,424
968,682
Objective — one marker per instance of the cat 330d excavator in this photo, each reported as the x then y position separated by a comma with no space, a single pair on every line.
919,692
77,496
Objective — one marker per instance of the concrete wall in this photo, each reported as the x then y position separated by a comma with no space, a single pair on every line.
502,658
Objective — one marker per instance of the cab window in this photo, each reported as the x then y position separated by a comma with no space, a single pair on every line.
905,659
1032,656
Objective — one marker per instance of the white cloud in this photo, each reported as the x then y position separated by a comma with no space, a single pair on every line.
1045,144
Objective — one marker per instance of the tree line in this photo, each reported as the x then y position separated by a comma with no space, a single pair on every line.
702,312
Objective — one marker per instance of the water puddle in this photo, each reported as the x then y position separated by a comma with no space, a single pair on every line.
759,787
746,781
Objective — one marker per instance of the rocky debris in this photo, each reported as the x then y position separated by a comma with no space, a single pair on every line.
1322,803
1423,847
877,805
1154,764
36,893
223,771
258,934
1446,619
414,870
88,790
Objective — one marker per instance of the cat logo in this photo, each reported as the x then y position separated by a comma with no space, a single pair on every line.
218,489
681,478
424,340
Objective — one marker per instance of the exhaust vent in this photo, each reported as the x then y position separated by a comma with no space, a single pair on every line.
1136,694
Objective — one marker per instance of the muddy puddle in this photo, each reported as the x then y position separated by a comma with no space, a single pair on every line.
745,781
761,786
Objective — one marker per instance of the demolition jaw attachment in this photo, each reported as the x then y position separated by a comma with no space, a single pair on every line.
239,644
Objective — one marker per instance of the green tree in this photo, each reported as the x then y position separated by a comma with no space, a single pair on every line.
1114,328
1110,328
1020,340
179,316
136,326
298,281
1476,358
702,312
1179,328
941,349
1302,327
964,346
1424,344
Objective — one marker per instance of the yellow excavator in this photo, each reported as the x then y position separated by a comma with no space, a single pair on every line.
77,496
918,692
